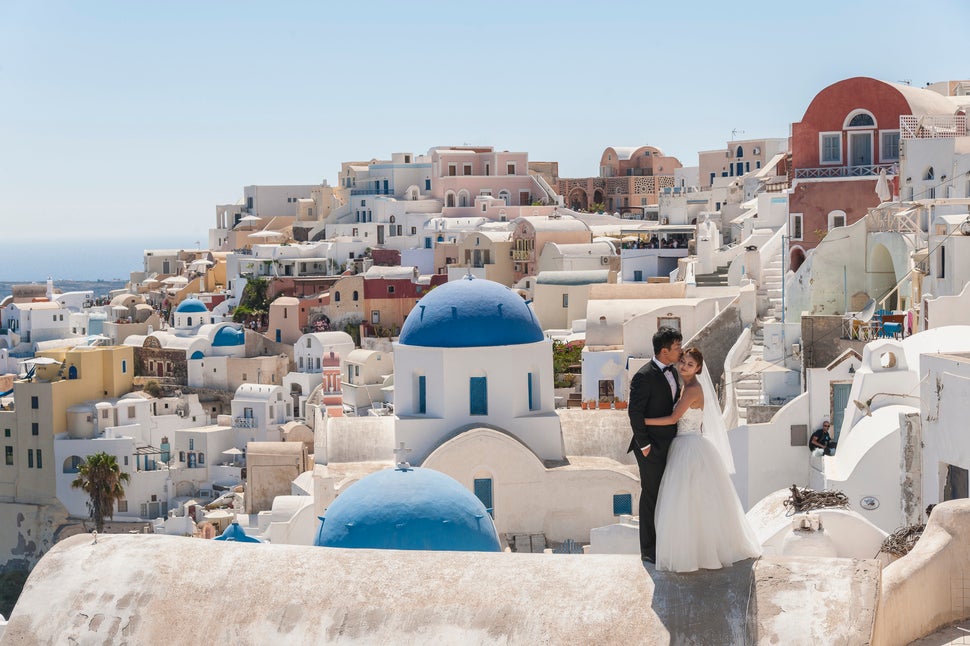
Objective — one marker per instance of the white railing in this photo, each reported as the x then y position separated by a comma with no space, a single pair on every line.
735,357
932,126
843,171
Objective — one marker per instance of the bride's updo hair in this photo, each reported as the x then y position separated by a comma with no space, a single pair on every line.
696,355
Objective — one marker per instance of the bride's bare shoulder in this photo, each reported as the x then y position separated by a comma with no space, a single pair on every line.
696,394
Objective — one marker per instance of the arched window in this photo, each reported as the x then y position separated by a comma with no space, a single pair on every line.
336,297
859,119
740,152
463,198
72,463
449,199
392,219
505,196
929,175
356,296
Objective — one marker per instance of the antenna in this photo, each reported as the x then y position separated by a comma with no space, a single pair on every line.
735,132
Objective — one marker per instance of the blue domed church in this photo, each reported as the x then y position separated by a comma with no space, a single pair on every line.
471,355
408,509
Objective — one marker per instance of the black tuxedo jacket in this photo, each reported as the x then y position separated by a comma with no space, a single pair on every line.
650,397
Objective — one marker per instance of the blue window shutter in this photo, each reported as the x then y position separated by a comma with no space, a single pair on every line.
840,399
483,491
422,394
529,379
622,504
478,396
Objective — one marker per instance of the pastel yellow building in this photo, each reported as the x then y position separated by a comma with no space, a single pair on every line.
40,412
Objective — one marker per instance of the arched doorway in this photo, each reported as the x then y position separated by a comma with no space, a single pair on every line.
598,196
578,200
296,391
796,256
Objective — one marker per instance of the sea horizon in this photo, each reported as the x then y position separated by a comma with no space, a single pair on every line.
34,260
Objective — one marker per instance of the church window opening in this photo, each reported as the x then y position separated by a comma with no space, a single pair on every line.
422,394
533,391
622,504
477,396
483,491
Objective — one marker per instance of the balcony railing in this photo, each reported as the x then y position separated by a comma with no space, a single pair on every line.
932,126
372,191
521,255
842,171
244,422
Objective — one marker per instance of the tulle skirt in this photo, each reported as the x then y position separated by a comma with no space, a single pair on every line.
700,521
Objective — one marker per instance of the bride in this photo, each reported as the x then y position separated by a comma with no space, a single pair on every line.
700,522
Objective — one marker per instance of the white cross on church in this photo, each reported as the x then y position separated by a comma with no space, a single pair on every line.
399,454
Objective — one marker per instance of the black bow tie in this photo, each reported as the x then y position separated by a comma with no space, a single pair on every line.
669,368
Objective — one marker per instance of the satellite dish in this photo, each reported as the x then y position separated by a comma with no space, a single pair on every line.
865,315
965,227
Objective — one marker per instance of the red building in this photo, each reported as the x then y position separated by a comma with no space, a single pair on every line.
850,132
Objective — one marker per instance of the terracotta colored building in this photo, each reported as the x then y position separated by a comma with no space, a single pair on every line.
530,235
628,178
381,296
848,135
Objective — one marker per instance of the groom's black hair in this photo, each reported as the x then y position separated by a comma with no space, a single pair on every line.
665,337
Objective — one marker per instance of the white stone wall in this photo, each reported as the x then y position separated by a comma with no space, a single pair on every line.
447,372
561,503
944,394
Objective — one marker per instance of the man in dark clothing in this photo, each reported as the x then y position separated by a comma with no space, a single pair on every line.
654,390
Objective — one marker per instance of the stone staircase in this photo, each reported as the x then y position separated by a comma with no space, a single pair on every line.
748,388
718,277
774,275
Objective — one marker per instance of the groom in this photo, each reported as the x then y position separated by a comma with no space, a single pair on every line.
654,389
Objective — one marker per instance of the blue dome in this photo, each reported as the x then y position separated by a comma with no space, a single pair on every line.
470,313
228,335
236,534
408,509
191,305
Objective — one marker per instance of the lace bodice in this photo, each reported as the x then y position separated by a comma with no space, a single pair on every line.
691,421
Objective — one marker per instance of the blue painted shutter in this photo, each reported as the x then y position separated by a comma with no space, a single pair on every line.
622,504
478,396
483,491
422,394
840,398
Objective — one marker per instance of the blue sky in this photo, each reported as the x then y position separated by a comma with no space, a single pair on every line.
133,120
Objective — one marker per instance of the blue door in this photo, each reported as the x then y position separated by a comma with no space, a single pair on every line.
279,335
840,398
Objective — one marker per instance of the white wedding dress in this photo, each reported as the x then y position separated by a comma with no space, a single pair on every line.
700,522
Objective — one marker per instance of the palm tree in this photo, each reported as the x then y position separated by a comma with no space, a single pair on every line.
100,477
